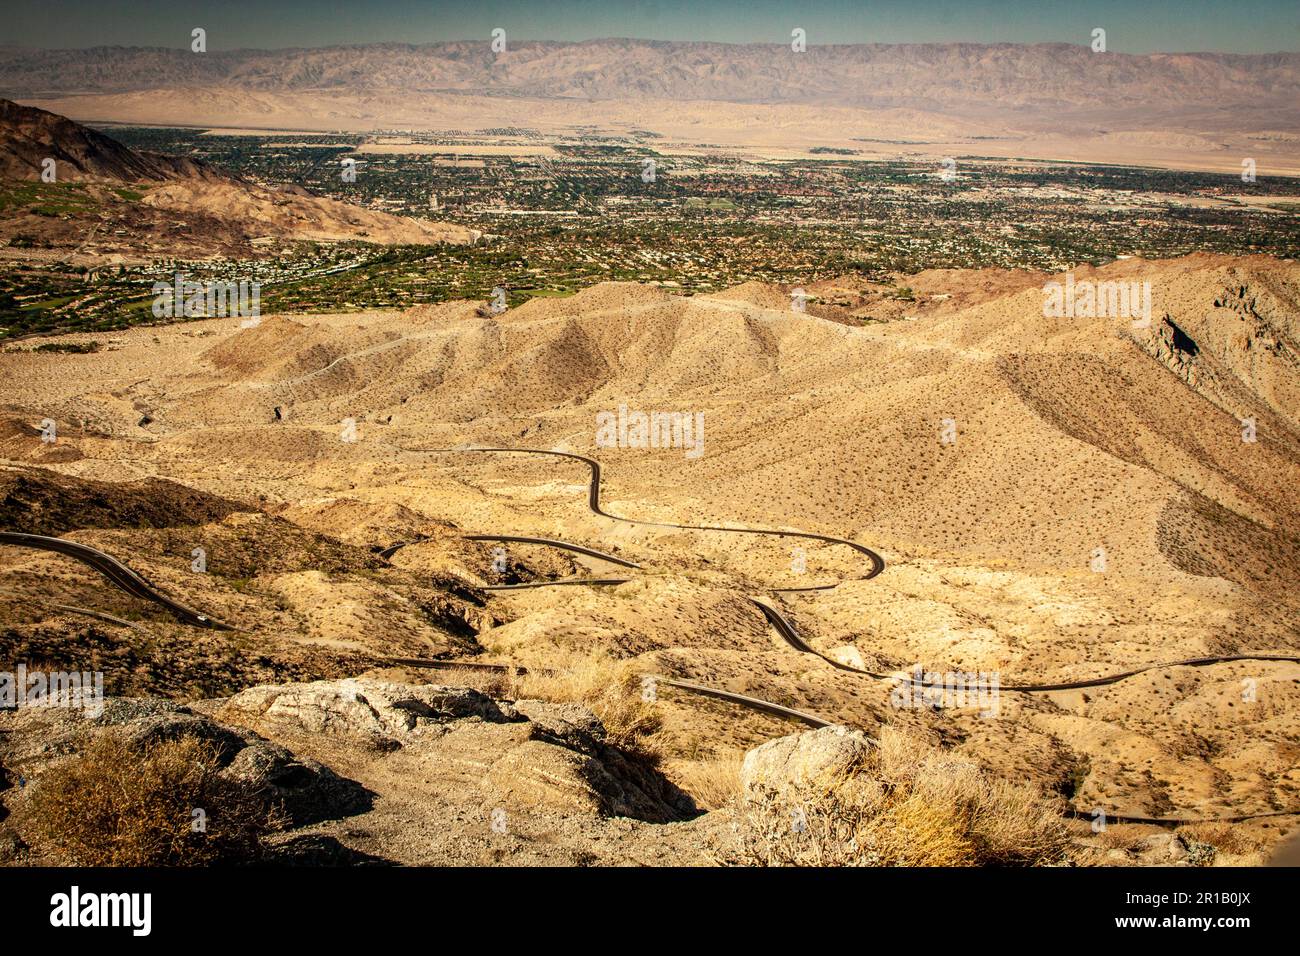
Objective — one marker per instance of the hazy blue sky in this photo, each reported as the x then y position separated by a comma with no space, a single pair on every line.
1132,26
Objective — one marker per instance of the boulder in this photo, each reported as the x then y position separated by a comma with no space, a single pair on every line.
534,773
569,725
307,791
554,757
597,780
35,737
803,758
147,731
1163,849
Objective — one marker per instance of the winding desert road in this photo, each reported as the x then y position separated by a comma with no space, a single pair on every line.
593,502
392,549
116,572
787,630
555,543
780,623
132,583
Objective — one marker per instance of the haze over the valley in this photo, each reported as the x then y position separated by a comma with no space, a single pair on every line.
1044,101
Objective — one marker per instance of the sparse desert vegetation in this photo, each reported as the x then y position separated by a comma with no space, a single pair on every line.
370,578
115,804
615,691
904,805
1071,438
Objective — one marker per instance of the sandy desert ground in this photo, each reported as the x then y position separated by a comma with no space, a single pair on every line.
1098,511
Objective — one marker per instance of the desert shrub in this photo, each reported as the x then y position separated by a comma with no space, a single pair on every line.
497,684
612,690
1130,839
908,805
1231,838
118,805
74,348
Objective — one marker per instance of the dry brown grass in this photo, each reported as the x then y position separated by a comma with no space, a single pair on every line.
1120,837
713,784
612,690
115,805
909,805
497,684
1231,838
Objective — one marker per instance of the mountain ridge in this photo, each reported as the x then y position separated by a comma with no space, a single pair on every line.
29,135
874,75
237,210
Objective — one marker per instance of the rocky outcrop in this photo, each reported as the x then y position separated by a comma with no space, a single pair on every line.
525,754
1239,349
801,759
320,754
563,761
1175,349
373,713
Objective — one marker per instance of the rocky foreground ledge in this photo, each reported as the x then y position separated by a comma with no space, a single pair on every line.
370,771
373,772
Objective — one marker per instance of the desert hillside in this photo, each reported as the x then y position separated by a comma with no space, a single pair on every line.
1055,499
163,206
32,136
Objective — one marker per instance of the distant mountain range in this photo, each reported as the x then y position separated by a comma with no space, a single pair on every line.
922,76
1056,102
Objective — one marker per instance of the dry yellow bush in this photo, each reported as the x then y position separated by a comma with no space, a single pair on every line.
116,805
498,684
615,691
908,805
1225,837
711,783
